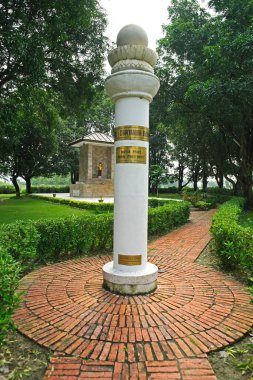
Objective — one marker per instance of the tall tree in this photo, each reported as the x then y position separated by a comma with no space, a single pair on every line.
206,62
29,135
51,66
56,44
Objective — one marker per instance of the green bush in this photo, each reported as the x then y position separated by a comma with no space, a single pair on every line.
165,218
169,190
216,199
233,243
156,202
218,191
53,239
9,299
202,205
21,240
199,196
50,189
74,235
5,188
95,206
192,196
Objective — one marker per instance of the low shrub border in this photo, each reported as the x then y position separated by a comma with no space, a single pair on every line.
202,200
233,243
164,218
9,299
50,189
95,206
6,188
53,239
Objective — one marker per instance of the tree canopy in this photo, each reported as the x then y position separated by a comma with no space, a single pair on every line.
205,66
51,67
57,44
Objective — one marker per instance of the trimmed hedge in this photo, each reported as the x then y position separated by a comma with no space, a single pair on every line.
74,235
53,239
157,202
233,243
168,190
9,299
21,241
165,218
218,191
211,200
95,206
50,189
5,188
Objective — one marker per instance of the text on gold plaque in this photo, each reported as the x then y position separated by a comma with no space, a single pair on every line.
129,259
131,155
131,132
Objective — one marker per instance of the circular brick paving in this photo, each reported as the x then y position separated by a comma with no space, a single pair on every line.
194,310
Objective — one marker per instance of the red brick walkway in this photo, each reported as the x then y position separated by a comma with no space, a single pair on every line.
165,335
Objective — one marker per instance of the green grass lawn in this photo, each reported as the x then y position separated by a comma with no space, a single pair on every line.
3,196
246,219
24,208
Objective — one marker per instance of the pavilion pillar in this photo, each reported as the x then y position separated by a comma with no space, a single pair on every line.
132,86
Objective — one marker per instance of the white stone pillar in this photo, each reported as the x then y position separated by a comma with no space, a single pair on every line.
132,87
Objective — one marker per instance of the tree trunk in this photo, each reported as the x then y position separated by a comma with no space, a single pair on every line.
180,177
195,181
204,178
247,193
180,184
204,184
195,184
195,175
220,181
16,185
246,165
246,185
28,185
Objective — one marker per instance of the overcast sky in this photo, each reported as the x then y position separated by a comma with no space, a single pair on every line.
150,14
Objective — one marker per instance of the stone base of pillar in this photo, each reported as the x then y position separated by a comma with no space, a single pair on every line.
130,283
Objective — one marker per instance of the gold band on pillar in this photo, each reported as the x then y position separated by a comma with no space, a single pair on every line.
131,132
129,259
131,155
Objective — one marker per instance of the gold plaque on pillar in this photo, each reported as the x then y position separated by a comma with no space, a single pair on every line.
131,132
129,259
131,155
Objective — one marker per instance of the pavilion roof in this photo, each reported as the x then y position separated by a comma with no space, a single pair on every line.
93,138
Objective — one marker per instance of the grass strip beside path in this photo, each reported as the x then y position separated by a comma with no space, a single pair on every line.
26,208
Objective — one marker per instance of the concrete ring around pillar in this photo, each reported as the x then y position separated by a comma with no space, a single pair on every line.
132,83
135,282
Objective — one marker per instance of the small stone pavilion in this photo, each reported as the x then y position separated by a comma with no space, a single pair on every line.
96,166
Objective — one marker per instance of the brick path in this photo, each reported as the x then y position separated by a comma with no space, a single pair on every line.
165,335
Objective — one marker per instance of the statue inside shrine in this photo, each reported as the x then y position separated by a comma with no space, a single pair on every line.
100,168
